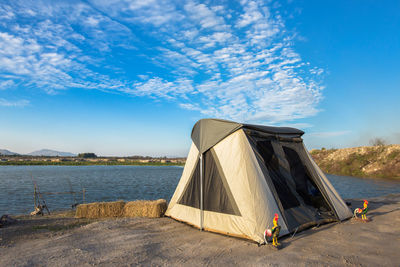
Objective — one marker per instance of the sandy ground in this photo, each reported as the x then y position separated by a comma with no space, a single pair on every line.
64,241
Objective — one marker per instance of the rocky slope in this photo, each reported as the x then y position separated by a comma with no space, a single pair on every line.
365,161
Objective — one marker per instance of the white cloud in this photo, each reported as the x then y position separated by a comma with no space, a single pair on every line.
157,87
45,53
6,12
151,12
143,77
6,84
190,106
252,14
204,16
92,21
236,64
17,103
214,39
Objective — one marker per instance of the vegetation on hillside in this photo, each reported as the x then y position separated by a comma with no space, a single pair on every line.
379,161
87,155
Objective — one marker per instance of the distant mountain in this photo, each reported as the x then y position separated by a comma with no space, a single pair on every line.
7,152
51,153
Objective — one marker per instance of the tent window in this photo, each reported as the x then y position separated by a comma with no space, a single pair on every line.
217,195
191,195
305,186
287,198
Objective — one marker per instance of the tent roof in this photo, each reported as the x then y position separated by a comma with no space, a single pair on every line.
208,132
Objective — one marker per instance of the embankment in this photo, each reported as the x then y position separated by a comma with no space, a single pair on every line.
365,161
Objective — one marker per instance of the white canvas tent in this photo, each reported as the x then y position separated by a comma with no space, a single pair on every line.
237,176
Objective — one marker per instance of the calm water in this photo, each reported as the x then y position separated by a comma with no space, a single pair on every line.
109,183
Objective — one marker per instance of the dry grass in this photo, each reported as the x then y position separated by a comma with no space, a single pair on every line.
139,208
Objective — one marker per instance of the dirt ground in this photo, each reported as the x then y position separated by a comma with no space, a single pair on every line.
61,240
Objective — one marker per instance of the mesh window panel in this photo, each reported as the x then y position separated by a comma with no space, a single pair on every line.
286,197
191,195
217,195
299,197
305,186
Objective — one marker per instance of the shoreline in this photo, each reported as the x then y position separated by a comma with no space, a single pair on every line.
391,179
66,163
71,212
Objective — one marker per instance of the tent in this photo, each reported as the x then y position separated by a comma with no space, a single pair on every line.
237,176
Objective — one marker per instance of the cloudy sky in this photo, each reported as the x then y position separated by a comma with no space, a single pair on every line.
120,77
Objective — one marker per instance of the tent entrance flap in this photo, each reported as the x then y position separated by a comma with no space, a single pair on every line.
191,195
301,198
217,195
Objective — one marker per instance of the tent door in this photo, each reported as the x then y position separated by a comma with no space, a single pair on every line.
207,188
295,187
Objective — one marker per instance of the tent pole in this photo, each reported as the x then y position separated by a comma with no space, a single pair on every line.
201,192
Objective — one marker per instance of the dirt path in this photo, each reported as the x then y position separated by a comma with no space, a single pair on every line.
143,241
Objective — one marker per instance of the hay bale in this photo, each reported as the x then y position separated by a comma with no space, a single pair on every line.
145,208
139,208
100,210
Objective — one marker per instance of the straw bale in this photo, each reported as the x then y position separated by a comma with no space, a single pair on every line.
100,210
145,208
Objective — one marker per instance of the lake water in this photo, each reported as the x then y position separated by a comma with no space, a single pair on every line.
110,183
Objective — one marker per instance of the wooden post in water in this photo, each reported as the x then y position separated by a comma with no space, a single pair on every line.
83,195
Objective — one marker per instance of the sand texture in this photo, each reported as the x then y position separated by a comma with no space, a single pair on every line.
68,241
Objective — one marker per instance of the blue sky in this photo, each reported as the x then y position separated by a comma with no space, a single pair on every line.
122,77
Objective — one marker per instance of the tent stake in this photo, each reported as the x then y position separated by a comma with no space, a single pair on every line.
294,232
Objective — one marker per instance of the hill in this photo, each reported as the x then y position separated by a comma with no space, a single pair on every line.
51,153
7,152
365,161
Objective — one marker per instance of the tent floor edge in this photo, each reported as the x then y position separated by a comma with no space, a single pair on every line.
243,237
309,225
